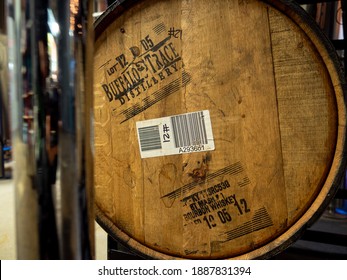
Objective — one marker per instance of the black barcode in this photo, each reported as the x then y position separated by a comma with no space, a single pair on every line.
149,138
189,129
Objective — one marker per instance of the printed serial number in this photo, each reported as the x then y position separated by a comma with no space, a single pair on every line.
189,149
213,270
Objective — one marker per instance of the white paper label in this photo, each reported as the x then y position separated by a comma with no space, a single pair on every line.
186,133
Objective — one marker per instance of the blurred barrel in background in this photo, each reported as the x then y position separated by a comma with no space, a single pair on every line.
50,92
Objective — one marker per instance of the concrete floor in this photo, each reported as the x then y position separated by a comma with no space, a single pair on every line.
7,226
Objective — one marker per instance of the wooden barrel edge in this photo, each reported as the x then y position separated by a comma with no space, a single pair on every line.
334,67
113,11
338,167
323,44
124,239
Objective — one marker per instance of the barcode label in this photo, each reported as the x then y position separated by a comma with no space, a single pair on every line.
189,129
149,138
186,133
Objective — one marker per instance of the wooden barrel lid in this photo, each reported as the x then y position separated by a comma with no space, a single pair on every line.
219,126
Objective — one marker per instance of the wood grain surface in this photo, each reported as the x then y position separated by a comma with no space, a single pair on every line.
275,98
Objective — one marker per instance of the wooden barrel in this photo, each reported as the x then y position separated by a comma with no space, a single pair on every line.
219,126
